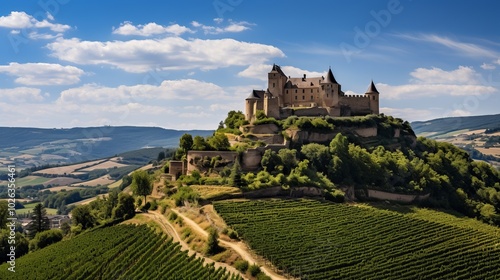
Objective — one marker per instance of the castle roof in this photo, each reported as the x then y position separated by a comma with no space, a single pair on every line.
276,68
255,94
330,79
372,88
311,82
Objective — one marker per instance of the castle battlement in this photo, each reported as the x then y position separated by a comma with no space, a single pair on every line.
323,93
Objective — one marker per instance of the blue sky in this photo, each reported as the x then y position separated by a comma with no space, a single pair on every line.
185,64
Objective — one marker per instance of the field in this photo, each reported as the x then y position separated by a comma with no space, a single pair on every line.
211,192
68,169
117,252
319,240
101,181
111,163
29,208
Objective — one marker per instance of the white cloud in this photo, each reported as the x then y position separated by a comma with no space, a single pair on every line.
21,20
467,49
487,66
150,29
259,71
42,73
171,53
232,27
461,76
463,81
20,95
187,89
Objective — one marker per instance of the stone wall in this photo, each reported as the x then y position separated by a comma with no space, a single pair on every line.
366,131
407,198
176,169
359,104
194,156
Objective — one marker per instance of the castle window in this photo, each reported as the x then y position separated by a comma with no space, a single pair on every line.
274,85
311,90
287,91
373,97
327,95
303,90
317,90
295,91
295,97
312,97
303,97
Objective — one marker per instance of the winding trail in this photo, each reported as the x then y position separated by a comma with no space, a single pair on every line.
170,230
240,247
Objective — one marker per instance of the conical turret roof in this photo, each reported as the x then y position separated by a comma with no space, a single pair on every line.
372,88
330,78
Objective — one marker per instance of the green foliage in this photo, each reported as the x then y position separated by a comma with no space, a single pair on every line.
19,241
125,209
122,251
141,183
212,246
45,238
200,144
369,243
39,219
185,194
219,142
185,144
241,265
4,213
82,215
271,161
254,270
235,176
235,119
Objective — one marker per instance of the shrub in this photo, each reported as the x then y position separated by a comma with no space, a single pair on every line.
212,246
45,238
262,276
241,265
254,270
173,216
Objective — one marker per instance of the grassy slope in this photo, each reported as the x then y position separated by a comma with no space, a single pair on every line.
341,241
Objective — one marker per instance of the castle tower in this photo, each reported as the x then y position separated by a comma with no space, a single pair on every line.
331,90
271,105
250,105
276,82
373,94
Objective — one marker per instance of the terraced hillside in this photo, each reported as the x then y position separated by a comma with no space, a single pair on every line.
319,240
118,252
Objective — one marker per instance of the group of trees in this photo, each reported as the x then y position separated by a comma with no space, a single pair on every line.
217,142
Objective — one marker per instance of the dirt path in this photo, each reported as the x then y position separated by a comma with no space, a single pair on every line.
170,230
240,247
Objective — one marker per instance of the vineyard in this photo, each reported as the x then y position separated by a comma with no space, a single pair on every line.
118,252
318,240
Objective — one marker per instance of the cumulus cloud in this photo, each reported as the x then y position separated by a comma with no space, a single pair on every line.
21,20
434,82
231,27
259,71
21,94
150,29
42,73
171,53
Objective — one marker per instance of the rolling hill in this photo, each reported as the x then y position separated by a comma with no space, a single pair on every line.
435,128
38,146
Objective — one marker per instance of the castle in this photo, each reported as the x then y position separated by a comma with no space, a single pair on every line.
308,96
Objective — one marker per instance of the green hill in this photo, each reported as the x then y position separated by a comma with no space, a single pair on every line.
117,252
309,239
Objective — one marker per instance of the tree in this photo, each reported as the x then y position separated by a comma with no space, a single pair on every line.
22,245
125,208
234,119
289,159
212,246
199,143
44,239
81,215
185,143
235,176
219,142
4,213
161,156
270,161
141,183
39,221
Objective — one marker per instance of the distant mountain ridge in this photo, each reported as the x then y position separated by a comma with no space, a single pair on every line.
445,125
83,143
